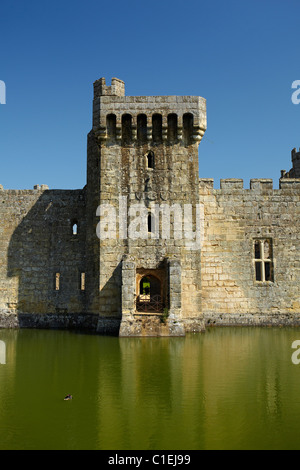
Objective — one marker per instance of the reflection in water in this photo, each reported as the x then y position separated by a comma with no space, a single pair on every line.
2,352
230,388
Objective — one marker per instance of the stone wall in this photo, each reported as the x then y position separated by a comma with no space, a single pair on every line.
41,260
234,218
144,151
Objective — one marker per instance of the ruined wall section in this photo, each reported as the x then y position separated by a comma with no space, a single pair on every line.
37,246
234,218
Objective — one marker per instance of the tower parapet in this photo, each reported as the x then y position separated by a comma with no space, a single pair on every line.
140,119
117,88
143,154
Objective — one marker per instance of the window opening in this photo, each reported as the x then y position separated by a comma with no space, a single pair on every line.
188,122
172,127
142,128
150,160
157,128
57,281
82,281
151,223
263,260
111,126
126,128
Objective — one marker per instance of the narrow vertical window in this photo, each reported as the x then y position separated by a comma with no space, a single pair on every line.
188,122
150,160
142,128
157,128
111,126
75,228
57,281
150,223
126,128
82,281
263,259
172,127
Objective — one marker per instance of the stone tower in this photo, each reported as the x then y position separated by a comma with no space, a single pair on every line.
143,211
295,171
131,253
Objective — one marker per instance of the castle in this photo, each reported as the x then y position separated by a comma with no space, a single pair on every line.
146,247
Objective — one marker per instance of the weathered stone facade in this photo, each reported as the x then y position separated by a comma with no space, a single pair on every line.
146,248
235,218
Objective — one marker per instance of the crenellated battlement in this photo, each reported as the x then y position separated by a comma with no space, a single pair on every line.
257,185
139,119
36,187
117,88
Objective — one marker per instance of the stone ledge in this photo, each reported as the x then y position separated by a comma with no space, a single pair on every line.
49,321
252,319
150,325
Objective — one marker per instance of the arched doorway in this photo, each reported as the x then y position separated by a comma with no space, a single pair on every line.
150,295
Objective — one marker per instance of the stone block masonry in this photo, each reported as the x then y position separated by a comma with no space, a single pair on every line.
57,270
233,293
37,246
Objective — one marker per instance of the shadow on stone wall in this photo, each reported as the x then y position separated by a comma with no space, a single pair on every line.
110,303
42,246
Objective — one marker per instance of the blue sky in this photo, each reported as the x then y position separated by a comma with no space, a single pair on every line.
241,56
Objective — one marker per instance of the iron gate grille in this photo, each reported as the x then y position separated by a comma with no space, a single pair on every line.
154,304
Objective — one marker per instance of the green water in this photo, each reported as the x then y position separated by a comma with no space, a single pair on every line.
230,388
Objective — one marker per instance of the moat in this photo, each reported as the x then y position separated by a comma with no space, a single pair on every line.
229,388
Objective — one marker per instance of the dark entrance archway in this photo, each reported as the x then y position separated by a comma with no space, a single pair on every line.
150,298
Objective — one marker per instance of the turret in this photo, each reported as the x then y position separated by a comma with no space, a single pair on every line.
295,171
140,119
117,88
